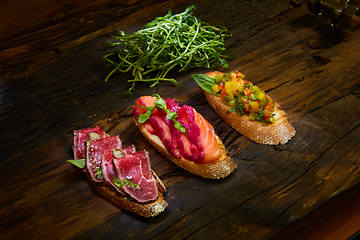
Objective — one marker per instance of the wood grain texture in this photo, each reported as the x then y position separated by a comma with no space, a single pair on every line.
52,83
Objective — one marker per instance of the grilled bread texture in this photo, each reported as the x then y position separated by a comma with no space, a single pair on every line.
148,209
221,168
278,132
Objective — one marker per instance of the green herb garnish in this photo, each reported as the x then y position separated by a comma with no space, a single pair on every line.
205,82
80,163
125,182
260,115
174,41
161,105
98,172
239,106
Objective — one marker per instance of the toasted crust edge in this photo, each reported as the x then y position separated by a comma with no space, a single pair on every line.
216,170
279,132
150,209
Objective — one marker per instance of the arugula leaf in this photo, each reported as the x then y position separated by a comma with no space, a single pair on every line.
80,163
125,182
205,82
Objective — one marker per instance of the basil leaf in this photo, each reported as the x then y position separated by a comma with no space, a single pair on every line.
80,163
205,82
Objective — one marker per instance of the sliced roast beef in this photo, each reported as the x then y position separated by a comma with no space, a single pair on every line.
107,166
95,150
136,168
81,136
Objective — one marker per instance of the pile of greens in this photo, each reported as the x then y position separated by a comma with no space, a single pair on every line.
174,41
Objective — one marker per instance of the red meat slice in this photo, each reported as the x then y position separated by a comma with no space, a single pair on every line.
95,150
136,167
81,136
107,166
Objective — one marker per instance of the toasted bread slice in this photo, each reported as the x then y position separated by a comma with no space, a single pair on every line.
221,168
278,132
149,209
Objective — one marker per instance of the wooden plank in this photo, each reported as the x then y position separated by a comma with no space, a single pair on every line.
273,186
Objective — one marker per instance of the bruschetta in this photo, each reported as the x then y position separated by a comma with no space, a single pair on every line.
121,175
245,107
182,135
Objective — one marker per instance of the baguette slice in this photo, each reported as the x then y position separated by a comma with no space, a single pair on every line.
216,170
149,209
278,132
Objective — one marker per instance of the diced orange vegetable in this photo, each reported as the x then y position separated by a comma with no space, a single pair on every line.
268,108
247,92
221,86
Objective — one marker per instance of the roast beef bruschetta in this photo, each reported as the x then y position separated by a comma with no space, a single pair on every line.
121,175
183,136
245,107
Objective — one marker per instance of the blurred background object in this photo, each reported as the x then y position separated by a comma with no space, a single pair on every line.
337,12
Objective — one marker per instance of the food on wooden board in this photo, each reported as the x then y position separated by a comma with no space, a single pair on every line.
172,42
245,107
81,136
182,135
121,175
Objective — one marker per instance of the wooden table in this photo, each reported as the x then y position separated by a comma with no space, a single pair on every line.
51,83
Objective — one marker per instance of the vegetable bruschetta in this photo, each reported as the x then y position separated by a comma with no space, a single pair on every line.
245,107
183,136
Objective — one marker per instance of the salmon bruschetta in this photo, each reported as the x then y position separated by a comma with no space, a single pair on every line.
182,135
245,107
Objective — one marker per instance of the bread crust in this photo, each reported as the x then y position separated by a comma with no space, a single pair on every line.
149,209
279,132
216,170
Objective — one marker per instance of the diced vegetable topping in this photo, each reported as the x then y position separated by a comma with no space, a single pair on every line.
241,95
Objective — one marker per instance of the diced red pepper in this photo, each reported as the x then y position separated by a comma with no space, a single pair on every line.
247,110
239,74
247,82
223,93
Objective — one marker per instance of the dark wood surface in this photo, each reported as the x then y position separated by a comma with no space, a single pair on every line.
51,82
